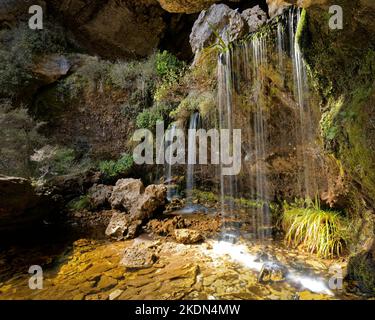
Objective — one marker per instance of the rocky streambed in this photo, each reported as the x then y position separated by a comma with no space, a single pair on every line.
155,266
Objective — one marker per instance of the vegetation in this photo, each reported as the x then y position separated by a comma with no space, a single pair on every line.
318,231
18,47
112,169
19,137
81,203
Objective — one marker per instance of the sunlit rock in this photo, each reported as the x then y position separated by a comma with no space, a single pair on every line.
187,236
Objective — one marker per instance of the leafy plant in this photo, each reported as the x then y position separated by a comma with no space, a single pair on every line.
168,67
111,169
316,230
81,203
149,117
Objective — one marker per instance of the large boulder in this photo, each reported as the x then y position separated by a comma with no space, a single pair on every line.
99,195
255,18
20,205
140,255
185,6
361,268
276,7
141,208
72,185
125,193
187,236
218,21
113,29
50,68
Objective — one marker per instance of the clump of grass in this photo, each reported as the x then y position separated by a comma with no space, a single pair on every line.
317,231
112,169
81,203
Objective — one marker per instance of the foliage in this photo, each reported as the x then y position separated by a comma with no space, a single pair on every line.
111,169
149,117
170,72
19,137
57,160
168,67
19,46
318,231
123,75
81,203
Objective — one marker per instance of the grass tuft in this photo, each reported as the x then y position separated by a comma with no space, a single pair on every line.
318,231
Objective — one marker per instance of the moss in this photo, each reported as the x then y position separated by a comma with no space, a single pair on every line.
361,268
81,203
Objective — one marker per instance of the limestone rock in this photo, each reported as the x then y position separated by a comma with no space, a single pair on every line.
272,272
125,193
141,206
276,7
140,255
255,18
122,226
99,195
114,28
187,236
72,185
50,68
361,267
220,19
185,6
20,204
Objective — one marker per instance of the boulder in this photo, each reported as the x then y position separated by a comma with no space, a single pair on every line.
122,226
50,68
187,236
140,209
20,205
141,255
361,267
185,6
220,20
255,18
272,272
276,7
99,195
125,193
114,29
72,185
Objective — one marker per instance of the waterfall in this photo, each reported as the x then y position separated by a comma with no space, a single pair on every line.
194,124
259,50
301,92
171,192
225,108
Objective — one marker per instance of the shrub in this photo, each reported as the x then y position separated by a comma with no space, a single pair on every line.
149,117
19,137
20,46
123,74
316,230
111,169
81,203
54,161
168,67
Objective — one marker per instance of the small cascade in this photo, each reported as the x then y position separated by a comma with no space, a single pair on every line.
259,50
225,106
172,190
194,125
305,133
